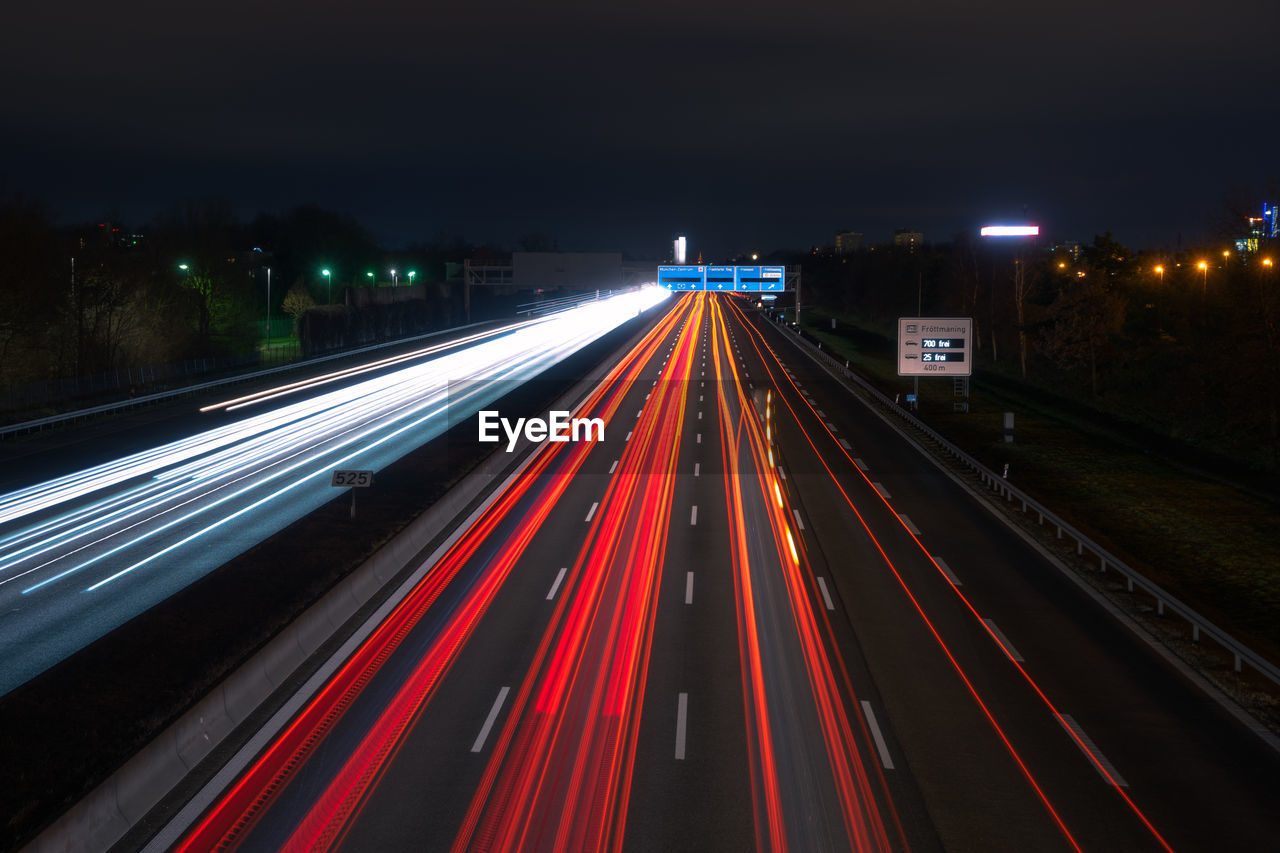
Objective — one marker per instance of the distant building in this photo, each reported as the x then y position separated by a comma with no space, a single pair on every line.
1262,229
847,242
1067,248
912,241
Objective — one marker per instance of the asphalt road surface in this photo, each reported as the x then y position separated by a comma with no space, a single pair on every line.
750,617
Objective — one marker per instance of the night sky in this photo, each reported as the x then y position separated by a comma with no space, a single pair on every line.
604,126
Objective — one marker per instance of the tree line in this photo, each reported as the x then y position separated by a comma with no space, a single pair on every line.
1184,342
82,299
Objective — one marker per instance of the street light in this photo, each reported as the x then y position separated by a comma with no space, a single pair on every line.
394,279
1266,262
1203,266
370,275
1160,272
329,278
268,334
412,273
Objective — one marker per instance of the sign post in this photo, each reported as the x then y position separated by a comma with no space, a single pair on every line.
934,346
352,480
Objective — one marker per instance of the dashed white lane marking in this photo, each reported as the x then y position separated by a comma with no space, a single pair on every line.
614,466
831,426
639,413
1004,641
884,493
821,414
688,588
881,747
906,522
946,570
826,595
693,515
682,720
697,469
555,587
699,415
591,512
845,444
699,438
490,720
1096,758
699,398
862,466
799,523
628,438
782,472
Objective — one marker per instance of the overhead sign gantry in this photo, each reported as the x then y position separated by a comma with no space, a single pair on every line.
722,279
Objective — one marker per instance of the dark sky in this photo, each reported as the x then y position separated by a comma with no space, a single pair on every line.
614,126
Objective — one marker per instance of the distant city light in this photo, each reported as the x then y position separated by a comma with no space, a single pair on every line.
1010,230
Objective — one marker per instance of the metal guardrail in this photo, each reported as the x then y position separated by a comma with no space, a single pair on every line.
563,303
133,402
1106,560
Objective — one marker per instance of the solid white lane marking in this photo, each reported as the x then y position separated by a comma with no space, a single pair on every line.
688,588
906,522
1004,641
862,466
845,444
881,746
946,570
699,438
693,515
826,596
799,523
884,493
697,469
591,512
488,723
682,720
555,587
1090,749
614,466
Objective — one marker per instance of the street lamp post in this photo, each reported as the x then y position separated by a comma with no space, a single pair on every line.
1203,266
1160,272
412,273
394,280
267,336
328,277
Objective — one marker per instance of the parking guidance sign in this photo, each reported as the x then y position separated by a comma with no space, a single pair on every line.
935,346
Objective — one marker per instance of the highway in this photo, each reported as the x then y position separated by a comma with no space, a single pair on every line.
750,617
83,553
